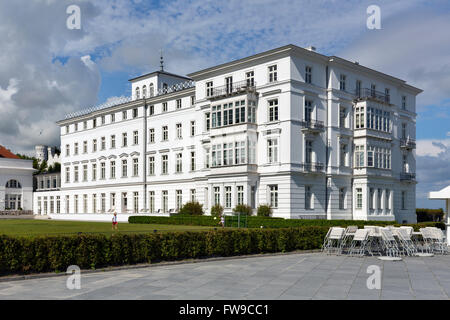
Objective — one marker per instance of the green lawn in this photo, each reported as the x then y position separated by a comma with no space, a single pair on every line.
16,227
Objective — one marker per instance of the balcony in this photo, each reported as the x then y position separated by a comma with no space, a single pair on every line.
312,126
312,167
366,93
408,144
407,176
231,89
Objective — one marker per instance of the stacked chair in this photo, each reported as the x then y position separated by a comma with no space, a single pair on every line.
385,241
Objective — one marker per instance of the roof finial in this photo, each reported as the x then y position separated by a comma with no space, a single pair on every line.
162,61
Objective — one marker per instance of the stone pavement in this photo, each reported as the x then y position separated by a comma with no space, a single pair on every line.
291,276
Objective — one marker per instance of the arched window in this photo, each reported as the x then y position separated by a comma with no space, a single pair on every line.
13,184
137,93
152,90
144,91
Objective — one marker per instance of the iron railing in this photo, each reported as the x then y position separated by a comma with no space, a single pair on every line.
313,124
370,93
312,166
232,88
408,143
407,176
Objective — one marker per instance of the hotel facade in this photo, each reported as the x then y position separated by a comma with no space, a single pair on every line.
313,136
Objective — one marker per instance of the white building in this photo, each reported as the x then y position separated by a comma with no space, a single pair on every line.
48,154
16,183
313,136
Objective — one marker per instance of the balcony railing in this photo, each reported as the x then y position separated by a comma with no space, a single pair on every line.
312,166
407,176
408,143
369,93
232,88
312,125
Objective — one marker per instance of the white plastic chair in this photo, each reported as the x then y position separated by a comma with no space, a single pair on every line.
333,240
359,242
406,244
388,242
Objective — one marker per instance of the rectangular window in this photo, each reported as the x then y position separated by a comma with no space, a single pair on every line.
113,141
135,137
164,164
165,133
227,197
151,110
75,178
272,150
404,102
179,199
273,110
113,117
192,101
103,202
308,198
358,88
102,170
193,196
164,107
359,200
151,198
192,128
250,77
103,143
94,203
94,172
113,169
85,172
151,135
75,204
343,155
403,200
209,89
67,174
308,74
124,169
85,147
94,145
165,201
151,166
135,167
178,103
341,198
103,119
113,200
124,115
136,202
208,121
273,190
240,195
229,84
308,110
67,150
342,82
135,113
216,195
179,130
124,139
192,160
75,149
273,76
179,163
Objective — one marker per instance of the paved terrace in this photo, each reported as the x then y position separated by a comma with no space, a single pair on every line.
291,276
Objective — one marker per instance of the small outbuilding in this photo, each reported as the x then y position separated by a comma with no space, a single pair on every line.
443,194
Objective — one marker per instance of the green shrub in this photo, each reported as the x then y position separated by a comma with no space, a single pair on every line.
56,253
243,209
264,211
426,215
216,210
192,208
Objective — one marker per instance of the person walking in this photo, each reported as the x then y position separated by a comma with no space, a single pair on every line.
222,220
114,221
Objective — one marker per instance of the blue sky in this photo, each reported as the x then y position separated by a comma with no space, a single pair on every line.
47,70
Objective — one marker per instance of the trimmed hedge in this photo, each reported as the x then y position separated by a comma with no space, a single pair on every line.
267,222
424,215
56,253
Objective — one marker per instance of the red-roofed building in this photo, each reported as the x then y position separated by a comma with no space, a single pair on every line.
5,153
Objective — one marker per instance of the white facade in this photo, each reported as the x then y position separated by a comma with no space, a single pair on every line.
16,184
288,127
